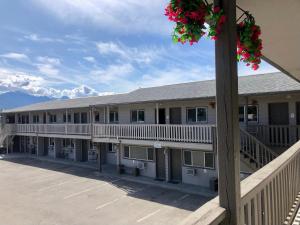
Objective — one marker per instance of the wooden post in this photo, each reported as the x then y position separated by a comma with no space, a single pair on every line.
246,112
227,115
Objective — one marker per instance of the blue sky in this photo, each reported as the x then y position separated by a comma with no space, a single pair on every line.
91,47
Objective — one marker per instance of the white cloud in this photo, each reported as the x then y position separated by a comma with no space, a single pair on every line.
112,73
15,56
125,16
49,60
48,69
11,80
48,66
37,38
90,59
131,54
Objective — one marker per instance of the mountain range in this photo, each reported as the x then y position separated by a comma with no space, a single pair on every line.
15,99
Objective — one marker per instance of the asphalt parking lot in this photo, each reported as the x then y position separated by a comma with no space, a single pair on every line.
34,192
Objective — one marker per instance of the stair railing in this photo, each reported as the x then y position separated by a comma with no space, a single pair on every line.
255,150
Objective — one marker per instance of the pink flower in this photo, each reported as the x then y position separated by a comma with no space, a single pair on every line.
217,9
255,66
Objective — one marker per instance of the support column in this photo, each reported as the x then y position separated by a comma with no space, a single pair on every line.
120,148
227,116
40,146
157,113
107,114
57,147
7,144
246,112
167,163
99,163
78,150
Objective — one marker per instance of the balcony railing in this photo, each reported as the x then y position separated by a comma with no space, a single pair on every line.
156,132
269,196
64,129
276,135
165,132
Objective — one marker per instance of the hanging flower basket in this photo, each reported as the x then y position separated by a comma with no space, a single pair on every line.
190,18
249,45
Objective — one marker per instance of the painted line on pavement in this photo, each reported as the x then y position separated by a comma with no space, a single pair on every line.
148,216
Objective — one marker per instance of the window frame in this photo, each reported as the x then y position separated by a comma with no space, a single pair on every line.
196,116
35,119
192,159
112,148
137,115
244,114
208,167
115,118
144,147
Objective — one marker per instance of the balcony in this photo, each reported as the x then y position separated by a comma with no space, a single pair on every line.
152,132
156,132
58,129
269,196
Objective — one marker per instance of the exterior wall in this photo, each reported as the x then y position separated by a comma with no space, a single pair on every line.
202,176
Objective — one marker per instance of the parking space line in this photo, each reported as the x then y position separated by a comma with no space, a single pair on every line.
110,202
148,216
164,207
55,185
78,193
89,189
183,197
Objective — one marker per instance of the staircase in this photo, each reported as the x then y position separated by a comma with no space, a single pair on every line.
5,132
254,153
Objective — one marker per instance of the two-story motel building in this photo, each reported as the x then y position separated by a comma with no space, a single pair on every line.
166,132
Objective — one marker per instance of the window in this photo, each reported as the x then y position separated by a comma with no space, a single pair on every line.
25,119
113,116
199,159
84,117
65,118
150,154
52,118
67,143
76,118
51,142
111,148
252,113
197,115
35,119
97,117
241,114
209,160
138,116
187,158
126,151
139,153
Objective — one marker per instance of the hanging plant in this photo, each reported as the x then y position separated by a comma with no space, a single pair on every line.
249,45
216,19
189,17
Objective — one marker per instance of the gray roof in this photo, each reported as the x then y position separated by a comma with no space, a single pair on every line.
248,85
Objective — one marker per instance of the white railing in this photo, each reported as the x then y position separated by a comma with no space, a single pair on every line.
255,150
276,135
268,197
66,129
165,132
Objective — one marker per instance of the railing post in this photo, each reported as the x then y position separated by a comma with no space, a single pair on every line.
227,113
257,152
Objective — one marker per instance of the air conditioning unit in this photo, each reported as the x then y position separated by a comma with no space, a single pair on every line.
191,172
141,165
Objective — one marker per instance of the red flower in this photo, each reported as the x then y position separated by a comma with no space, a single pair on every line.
255,66
217,9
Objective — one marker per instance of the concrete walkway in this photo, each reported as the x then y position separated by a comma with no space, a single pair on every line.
110,170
